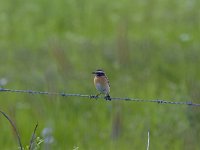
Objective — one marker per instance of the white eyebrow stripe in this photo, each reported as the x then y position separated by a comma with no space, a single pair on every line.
100,72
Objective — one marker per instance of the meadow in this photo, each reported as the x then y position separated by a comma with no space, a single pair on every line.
148,48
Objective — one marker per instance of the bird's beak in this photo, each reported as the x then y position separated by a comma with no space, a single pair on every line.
94,72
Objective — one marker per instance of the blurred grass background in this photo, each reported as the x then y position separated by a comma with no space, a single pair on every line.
148,48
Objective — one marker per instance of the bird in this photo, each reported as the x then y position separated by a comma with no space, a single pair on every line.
101,83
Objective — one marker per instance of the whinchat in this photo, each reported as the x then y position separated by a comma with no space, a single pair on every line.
101,83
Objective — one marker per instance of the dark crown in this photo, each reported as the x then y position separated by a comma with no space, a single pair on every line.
99,72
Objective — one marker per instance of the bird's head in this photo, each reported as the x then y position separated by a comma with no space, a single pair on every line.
99,72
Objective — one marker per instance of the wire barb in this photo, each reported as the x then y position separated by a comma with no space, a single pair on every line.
159,101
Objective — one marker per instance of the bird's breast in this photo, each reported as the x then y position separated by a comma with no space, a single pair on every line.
101,84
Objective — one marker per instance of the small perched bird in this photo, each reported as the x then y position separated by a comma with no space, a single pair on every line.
101,83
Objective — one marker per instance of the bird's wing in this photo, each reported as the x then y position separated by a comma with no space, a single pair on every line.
108,81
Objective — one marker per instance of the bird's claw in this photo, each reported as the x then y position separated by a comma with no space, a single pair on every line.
108,98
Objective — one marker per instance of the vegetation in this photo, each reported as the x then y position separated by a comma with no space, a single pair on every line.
149,50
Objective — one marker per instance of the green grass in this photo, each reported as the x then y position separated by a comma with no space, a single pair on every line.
149,50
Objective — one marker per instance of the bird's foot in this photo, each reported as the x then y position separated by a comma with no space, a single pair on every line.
107,97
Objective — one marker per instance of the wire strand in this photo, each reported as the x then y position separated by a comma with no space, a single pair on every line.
159,101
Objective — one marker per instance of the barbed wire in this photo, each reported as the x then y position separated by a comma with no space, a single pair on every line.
159,101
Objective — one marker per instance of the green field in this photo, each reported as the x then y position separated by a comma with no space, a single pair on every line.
150,49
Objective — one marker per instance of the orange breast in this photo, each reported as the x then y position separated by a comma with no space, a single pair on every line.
102,84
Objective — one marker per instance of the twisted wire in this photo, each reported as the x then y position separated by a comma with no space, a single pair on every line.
159,101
